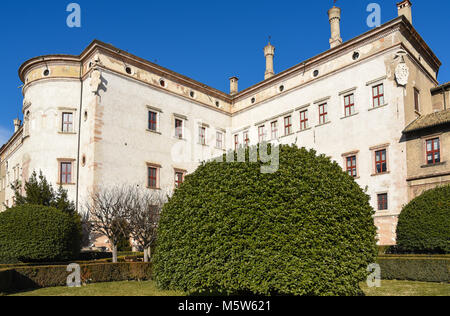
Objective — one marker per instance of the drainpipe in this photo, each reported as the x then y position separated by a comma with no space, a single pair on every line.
79,136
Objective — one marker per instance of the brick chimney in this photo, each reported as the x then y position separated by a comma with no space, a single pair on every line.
404,8
17,124
269,53
334,14
234,85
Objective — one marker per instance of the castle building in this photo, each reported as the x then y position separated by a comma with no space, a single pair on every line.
373,104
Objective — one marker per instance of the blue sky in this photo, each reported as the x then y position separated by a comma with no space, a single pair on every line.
207,40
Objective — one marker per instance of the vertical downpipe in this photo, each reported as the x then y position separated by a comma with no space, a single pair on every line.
79,136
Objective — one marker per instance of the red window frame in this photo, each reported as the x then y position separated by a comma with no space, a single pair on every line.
383,202
274,130
67,122
351,166
349,104
202,135
246,139
433,148
179,128
236,142
152,121
378,95
323,114
219,140
179,178
304,120
261,134
65,172
152,177
288,125
381,161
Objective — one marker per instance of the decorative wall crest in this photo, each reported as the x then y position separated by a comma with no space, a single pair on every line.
402,73
96,80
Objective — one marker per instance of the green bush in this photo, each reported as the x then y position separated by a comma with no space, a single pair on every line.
424,224
304,230
32,233
421,268
31,277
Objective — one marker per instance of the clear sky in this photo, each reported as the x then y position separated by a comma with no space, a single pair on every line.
207,40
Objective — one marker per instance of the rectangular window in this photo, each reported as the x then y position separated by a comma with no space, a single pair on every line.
378,95
288,125
323,114
178,128
152,177
351,166
67,122
179,179
65,173
246,139
261,134
303,120
274,129
152,121
202,135
349,104
383,202
433,151
236,142
380,161
416,100
219,140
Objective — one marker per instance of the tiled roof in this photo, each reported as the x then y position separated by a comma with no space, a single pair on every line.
430,120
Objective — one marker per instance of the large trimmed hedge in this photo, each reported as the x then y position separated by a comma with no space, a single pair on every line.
34,233
424,224
304,230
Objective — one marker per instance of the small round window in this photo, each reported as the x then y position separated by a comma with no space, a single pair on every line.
253,100
355,56
217,104
192,94
128,70
315,73
281,88
46,72
162,83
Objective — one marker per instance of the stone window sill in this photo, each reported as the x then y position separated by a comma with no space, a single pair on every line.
63,184
329,122
380,174
154,132
434,165
378,107
304,130
345,117
67,133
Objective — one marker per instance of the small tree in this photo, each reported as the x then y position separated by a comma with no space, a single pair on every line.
143,215
107,212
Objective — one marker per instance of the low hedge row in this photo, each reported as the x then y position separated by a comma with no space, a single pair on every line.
415,268
31,277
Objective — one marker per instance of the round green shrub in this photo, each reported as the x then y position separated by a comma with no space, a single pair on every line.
35,233
424,223
305,230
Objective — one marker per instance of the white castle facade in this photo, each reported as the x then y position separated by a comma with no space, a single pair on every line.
109,117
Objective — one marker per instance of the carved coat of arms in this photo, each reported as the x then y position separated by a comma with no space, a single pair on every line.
402,74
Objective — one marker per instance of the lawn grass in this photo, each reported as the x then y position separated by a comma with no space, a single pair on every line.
148,288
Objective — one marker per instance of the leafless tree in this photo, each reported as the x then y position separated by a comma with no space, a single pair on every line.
107,210
143,214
